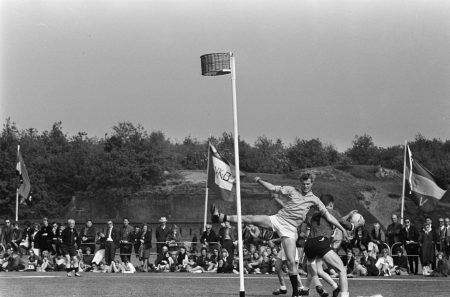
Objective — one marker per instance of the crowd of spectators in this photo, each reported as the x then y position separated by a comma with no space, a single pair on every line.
127,249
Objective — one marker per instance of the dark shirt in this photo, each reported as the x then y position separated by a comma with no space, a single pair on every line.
70,237
208,237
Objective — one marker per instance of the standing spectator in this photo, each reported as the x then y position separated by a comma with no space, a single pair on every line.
194,249
6,233
46,236
209,238
55,235
145,240
126,246
26,236
393,232
410,236
161,234
70,242
426,243
35,239
112,238
439,234
88,233
447,237
16,238
227,240
135,240
377,238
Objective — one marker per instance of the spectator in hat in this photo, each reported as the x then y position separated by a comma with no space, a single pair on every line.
161,234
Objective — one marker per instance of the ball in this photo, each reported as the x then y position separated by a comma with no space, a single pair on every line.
358,220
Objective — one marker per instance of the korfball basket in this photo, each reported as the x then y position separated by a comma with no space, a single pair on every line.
216,64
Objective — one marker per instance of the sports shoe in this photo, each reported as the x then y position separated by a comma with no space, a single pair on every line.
336,292
69,274
321,291
303,292
279,292
214,214
77,274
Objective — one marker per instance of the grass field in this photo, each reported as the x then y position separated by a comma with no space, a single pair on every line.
57,284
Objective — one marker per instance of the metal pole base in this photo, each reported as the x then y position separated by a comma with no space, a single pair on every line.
242,294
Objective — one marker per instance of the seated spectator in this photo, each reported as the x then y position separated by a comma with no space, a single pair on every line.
266,263
254,265
401,263
182,260
60,263
442,267
33,261
15,263
211,262
385,264
100,253
202,259
16,238
116,266
128,267
87,259
47,262
377,238
164,261
368,261
192,265
226,238
349,261
225,264
173,238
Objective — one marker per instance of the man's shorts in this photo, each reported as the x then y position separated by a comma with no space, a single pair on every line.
68,250
282,255
317,247
283,228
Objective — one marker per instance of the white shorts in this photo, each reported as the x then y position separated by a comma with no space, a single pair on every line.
281,255
283,228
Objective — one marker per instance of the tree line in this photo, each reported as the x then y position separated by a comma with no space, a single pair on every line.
112,168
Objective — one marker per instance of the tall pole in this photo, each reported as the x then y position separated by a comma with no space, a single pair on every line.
17,190
238,179
206,191
404,184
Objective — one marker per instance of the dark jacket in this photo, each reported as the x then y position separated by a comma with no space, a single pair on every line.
70,237
147,239
90,233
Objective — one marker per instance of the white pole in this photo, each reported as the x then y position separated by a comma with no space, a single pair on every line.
206,192
404,184
17,190
238,180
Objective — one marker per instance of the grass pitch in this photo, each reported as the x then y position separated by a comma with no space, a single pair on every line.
57,284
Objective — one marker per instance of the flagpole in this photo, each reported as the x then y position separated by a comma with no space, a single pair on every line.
238,182
17,191
404,184
206,190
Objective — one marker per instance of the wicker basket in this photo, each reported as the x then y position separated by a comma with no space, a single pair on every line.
215,64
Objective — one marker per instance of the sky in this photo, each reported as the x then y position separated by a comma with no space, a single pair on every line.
304,68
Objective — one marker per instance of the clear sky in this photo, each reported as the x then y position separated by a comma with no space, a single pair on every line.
305,68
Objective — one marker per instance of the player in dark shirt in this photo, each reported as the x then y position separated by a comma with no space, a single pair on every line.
70,242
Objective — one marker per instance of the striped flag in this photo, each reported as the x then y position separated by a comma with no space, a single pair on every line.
24,189
220,176
423,185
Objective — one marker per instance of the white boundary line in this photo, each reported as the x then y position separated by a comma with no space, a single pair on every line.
168,276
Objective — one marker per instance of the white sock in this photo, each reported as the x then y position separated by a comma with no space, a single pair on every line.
283,288
334,286
345,294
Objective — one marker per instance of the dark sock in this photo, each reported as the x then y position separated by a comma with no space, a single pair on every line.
68,270
224,218
294,282
76,269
